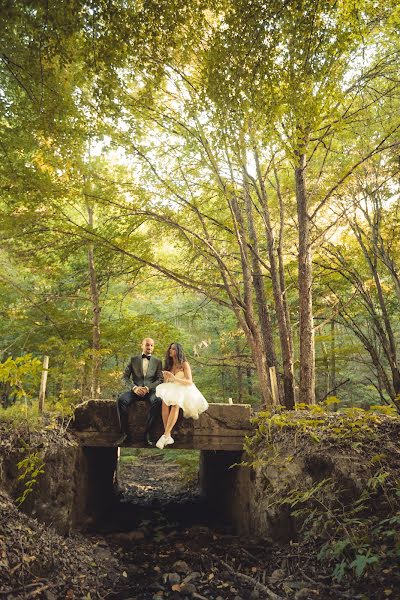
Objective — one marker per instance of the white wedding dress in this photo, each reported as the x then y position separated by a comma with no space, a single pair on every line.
188,397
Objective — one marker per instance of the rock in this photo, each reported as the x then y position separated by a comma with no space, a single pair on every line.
304,594
180,566
176,587
171,578
238,598
103,552
132,570
136,535
201,530
225,575
290,585
277,575
192,576
118,539
188,588
255,594
156,587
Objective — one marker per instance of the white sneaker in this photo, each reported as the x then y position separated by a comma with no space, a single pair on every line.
169,440
161,442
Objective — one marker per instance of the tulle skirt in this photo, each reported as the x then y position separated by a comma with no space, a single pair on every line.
188,397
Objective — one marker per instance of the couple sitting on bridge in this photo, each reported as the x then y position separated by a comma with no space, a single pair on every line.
172,388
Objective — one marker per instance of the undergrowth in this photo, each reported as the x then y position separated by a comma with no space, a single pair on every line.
25,415
30,468
354,528
29,433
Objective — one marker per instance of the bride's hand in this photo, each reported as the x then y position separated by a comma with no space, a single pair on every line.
167,376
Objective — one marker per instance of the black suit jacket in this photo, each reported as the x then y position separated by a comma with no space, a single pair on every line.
134,372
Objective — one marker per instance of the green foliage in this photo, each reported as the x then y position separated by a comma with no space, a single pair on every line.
156,141
18,376
22,413
30,468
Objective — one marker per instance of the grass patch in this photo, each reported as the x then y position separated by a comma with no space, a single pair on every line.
188,460
130,455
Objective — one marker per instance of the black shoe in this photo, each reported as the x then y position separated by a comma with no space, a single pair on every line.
122,438
147,440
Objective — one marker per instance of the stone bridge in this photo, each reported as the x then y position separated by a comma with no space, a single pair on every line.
221,427
218,434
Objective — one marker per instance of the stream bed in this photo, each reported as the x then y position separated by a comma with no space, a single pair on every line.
170,545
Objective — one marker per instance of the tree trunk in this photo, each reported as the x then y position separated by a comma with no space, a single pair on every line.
258,282
306,325
332,362
95,298
252,329
281,268
332,358
239,374
249,383
222,371
325,374
280,309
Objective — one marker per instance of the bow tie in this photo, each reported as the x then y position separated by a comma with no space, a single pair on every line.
148,356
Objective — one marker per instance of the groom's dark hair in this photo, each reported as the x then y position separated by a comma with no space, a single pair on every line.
180,356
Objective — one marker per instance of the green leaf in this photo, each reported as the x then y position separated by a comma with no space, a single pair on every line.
361,561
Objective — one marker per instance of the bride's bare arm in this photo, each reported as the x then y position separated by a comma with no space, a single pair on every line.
187,371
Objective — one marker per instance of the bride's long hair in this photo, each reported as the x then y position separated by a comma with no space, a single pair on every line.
180,356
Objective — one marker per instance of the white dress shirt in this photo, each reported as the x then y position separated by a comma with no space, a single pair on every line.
145,364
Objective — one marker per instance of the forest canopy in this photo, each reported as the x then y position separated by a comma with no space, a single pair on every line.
222,174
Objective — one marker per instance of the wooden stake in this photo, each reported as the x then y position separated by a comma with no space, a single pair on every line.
274,385
43,382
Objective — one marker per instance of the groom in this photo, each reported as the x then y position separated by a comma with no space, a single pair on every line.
146,373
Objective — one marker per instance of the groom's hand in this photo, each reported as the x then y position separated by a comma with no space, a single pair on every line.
140,391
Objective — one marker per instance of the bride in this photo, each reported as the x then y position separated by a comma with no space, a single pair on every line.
178,391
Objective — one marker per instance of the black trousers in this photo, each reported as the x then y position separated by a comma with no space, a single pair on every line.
127,398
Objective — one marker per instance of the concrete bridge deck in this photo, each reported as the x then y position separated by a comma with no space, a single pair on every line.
221,427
